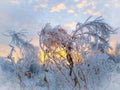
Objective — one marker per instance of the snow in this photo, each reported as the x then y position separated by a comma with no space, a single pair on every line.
95,69
105,79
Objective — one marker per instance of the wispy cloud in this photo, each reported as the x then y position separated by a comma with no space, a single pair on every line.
37,7
70,25
71,11
85,3
43,5
90,12
82,4
58,8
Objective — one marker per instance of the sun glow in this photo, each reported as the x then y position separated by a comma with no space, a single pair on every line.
111,52
59,54
16,55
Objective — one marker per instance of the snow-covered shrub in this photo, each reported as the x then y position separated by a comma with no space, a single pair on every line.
117,52
76,61
89,38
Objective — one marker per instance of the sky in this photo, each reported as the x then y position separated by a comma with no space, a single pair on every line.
32,15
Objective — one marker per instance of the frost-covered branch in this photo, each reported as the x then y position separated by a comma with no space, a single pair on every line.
76,61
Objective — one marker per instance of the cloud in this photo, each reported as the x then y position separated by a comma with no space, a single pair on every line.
82,4
58,8
70,25
90,12
85,3
43,5
71,11
37,7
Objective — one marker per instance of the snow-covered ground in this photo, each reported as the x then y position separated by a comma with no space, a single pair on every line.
100,76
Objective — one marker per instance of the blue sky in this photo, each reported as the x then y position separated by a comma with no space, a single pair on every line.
32,15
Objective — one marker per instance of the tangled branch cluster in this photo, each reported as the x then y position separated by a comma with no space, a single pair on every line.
69,59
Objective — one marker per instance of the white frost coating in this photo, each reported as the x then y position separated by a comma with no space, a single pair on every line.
76,61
